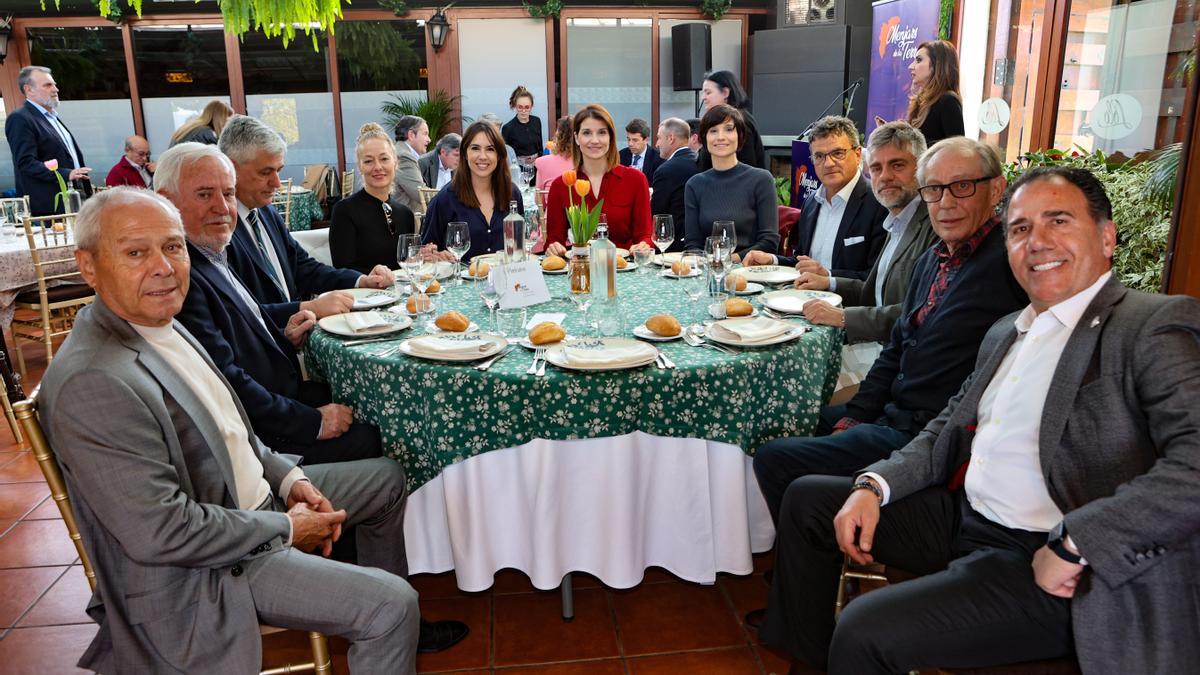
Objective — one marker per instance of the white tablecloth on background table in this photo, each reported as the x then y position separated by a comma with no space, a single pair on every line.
16,274
610,507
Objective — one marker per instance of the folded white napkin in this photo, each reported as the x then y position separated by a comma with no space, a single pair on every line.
364,321
373,299
757,330
450,346
611,356
540,317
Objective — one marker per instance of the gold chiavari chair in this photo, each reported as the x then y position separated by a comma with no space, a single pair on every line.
26,412
10,390
59,292
282,201
347,183
427,194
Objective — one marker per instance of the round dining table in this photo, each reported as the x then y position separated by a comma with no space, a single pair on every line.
600,472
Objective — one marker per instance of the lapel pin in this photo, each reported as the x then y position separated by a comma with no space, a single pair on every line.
1095,321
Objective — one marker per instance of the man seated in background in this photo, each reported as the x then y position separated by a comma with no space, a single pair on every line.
412,138
267,259
134,168
438,165
840,232
638,152
679,164
694,143
198,531
1051,505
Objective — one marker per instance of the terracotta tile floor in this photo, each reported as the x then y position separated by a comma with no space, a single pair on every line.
662,626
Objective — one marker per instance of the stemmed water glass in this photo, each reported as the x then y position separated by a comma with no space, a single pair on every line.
458,242
527,172
719,251
490,287
726,230
664,233
403,245
420,266
533,232
695,285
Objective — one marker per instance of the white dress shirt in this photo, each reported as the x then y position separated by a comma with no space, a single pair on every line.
894,226
69,141
272,254
444,175
635,161
252,489
829,221
147,178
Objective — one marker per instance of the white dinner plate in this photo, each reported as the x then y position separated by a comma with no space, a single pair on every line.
665,259
628,268
336,324
524,342
562,271
466,274
409,290
432,329
640,353
442,269
750,289
495,344
791,334
714,313
371,298
791,300
770,274
644,333
671,275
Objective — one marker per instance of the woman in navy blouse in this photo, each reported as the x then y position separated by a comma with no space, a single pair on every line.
478,196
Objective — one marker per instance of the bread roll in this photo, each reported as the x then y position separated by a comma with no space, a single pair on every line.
546,332
479,268
434,287
664,325
452,322
418,302
735,282
622,263
680,268
553,262
738,307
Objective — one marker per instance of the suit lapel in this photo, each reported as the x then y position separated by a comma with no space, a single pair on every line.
1072,365
853,206
807,225
251,251
202,266
919,219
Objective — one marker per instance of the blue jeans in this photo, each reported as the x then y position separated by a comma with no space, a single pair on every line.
779,462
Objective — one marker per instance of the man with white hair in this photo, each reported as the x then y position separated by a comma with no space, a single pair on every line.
197,530
265,256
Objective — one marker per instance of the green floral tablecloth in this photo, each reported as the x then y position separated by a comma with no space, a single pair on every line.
432,415
305,209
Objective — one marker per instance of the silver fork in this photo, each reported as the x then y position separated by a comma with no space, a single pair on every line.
666,360
541,371
488,363
538,353
697,341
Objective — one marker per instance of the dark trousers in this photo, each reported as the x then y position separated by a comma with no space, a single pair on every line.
977,606
360,441
779,462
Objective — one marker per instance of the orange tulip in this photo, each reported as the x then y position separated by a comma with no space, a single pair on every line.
569,177
582,187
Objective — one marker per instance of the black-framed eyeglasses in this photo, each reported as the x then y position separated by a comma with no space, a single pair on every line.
387,214
932,194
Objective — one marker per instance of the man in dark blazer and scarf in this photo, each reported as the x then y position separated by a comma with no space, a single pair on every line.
1051,505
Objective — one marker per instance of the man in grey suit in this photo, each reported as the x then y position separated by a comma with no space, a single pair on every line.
196,529
438,165
1080,421
412,138
872,306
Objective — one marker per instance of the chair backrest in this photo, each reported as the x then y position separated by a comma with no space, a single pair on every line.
6,209
788,217
347,183
316,178
427,194
315,243
52,246
282,200
26,412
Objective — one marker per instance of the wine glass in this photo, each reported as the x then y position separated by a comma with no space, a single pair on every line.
404,244
664,234
527,172
489,288
725,229
718,251
420,267
533,232
458,242
696,284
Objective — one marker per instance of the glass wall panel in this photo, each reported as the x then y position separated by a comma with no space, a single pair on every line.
88,65
288,88
180,68
726,55
1122,84
489,76
608,62
377,62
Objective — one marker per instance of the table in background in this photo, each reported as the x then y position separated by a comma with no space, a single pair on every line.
16,272
305,209
605,472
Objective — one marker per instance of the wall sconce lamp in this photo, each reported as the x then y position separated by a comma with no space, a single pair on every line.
5,32
438,26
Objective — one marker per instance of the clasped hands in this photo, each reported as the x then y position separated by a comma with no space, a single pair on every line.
314,522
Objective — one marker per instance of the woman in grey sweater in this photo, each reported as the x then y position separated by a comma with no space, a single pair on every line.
730,190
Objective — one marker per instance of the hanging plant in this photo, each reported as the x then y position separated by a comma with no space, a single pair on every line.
945,18
715,9
109,10
398,7
550,8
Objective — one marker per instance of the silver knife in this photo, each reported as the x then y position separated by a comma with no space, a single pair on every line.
488,363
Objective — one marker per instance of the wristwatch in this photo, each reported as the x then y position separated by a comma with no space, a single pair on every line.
865,483
1057,543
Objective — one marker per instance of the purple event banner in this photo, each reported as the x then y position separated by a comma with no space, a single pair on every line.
901,25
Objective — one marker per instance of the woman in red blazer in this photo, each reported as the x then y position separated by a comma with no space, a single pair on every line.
624,190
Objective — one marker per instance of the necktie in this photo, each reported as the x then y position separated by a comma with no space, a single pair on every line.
637,161
260,238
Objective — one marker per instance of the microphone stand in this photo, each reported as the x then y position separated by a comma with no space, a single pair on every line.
840,98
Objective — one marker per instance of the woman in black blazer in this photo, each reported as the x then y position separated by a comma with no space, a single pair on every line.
934,105
365,227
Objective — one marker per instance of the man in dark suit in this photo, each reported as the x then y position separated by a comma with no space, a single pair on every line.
840,231
36,137
672,175
1080,421
134,168
639,154
871,307
438,165
272,265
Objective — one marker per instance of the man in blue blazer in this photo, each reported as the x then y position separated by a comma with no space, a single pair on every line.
36,135
840,232
666,196
639,153
265,256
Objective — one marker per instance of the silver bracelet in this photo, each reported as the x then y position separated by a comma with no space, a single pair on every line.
866,484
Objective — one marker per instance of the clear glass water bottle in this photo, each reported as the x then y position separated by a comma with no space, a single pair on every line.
514,234
605,307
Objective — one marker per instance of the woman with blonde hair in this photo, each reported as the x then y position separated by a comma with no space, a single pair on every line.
623,189
523,133
365,227
934,105
205,127
553,165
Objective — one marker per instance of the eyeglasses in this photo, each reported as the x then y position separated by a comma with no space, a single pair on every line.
524,108
836,155
387,213
932,194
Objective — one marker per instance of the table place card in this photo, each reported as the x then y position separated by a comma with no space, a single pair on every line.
541,317
524,285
